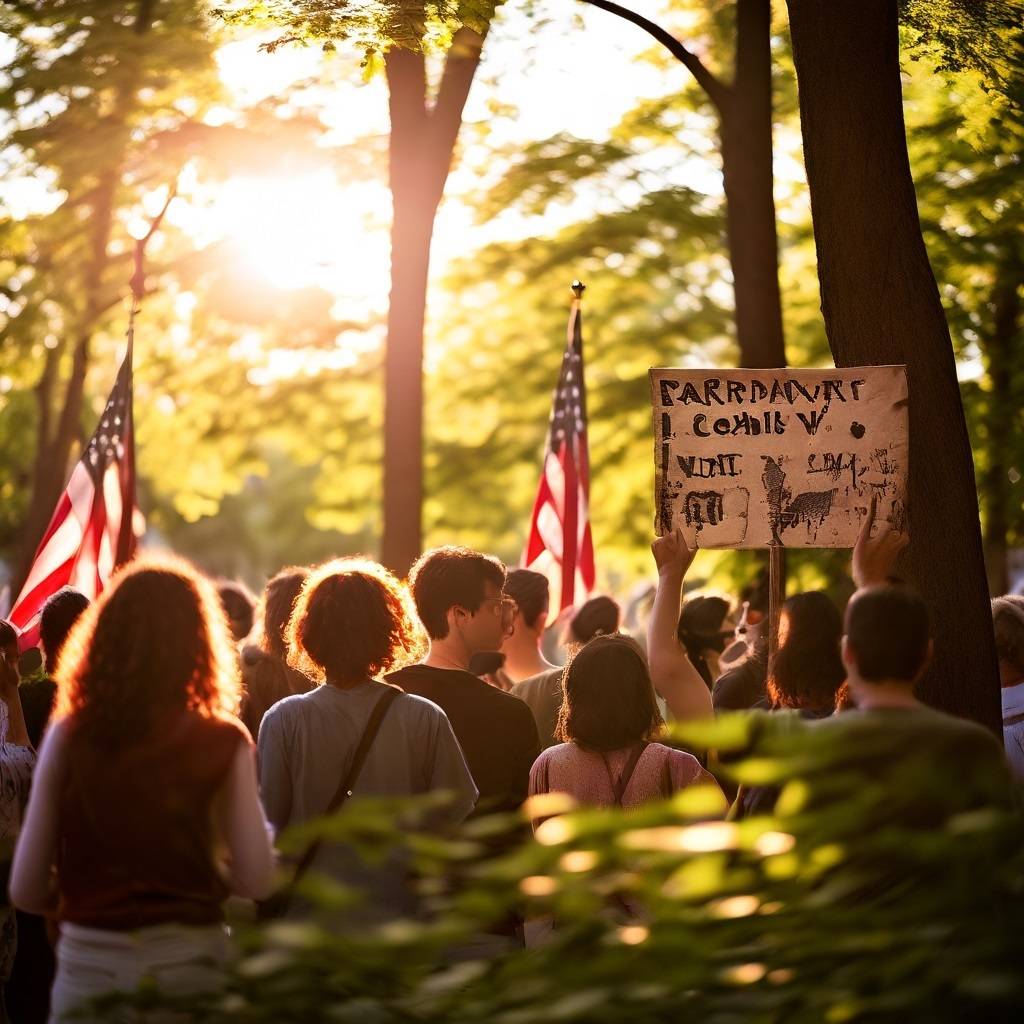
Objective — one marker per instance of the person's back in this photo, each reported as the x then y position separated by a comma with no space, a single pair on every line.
607,726
153,865
459,599
542,694
350,624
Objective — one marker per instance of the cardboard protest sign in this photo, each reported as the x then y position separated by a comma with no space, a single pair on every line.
759,458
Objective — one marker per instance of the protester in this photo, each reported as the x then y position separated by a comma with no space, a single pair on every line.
607,729
239,607
460,600
1008,620
266,675
808,670
58,615
600,615
351,623
521,646
704,627
807,674
17,759
143,776
536,680
744,663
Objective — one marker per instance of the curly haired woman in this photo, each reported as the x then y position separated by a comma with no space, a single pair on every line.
144,775
353,622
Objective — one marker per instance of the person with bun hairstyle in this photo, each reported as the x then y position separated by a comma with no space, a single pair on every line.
144,776
353,622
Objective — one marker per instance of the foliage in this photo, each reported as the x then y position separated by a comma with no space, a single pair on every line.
369,26
835,909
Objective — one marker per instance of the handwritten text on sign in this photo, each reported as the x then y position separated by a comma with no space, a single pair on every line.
754,458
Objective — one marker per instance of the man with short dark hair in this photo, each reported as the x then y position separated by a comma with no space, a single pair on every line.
536,680
460,601
930,765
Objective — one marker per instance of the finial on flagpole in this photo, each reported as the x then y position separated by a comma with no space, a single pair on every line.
578,288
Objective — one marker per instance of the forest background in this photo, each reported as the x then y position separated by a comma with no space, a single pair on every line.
585,151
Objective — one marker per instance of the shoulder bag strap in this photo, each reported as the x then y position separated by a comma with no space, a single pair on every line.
344,791
620,784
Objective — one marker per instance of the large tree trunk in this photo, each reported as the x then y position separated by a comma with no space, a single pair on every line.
881,305
748,177
421,147
1001,352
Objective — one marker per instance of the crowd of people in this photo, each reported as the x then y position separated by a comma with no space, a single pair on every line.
180,731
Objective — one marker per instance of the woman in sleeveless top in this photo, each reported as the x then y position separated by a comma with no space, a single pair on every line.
145,780
608,724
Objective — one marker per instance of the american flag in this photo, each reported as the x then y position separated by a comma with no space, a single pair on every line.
92,530
560,544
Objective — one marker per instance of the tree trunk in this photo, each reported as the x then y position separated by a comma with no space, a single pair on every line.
422,143
1000,359
748,176
881,305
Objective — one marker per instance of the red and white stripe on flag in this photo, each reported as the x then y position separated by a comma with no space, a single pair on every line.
92,530
560,544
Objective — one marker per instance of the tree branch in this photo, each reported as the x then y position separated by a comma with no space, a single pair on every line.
716,90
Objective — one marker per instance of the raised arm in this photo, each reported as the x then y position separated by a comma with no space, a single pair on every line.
674,676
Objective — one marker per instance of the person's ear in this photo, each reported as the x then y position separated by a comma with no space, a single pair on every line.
928,655
846,651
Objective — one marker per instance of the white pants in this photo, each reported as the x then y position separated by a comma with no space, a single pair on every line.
90,962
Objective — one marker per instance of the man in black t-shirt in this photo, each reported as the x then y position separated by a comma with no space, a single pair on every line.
460,600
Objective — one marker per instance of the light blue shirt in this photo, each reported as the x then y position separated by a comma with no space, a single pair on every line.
1013,728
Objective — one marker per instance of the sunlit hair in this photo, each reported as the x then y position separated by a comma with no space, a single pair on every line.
8,634
808,668
608,700
154,644
275,609
353,620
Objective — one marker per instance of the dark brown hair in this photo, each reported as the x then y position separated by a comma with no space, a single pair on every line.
608,699
353,620
596,617
155,643
888,632
276,607
60,612
808,667
8,634
448,577
239,606
531,591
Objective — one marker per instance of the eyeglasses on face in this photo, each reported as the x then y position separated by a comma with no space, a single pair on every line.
505,606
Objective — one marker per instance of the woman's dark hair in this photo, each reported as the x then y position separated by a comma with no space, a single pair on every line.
239,606
808,668
276,605
60,612
608,699
155,643
597,617
353,620
700,629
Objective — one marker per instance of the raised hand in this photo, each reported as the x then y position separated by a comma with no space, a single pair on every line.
874,557
671,553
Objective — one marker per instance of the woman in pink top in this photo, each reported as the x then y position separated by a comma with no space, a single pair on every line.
608,725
